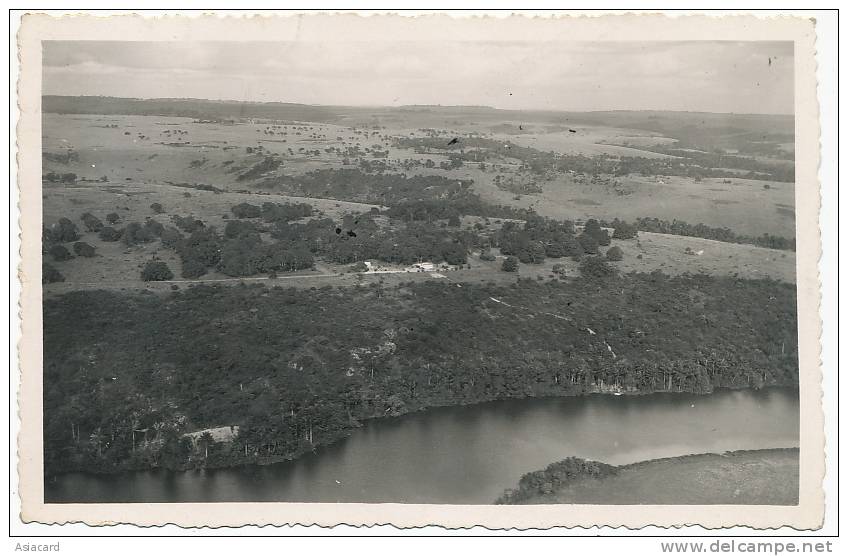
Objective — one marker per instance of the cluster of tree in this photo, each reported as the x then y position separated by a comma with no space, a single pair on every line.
66,177
555,477
687,163
540,237
681,228
267,164
135,233
297,368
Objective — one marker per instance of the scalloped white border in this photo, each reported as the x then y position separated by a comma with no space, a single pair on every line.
349,27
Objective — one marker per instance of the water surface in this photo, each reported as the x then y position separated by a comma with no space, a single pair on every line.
469,455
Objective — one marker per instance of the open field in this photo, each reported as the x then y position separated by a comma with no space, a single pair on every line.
203,167
159,149
759,477
118,266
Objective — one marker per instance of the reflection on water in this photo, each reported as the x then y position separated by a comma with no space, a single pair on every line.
469,455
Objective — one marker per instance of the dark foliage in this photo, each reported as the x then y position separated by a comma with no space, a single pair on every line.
555,477
298,368
49,274
92,223
156,271
83,249
246,210
188,224
60,253
63,231
615,254
510,264
596,268
109,233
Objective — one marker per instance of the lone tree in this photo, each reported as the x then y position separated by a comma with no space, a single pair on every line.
49,274
156,271
113,218
157,208
596,268
60,253
615,253
510,264
83,249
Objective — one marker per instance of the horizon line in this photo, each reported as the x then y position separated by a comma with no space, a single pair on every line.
400,106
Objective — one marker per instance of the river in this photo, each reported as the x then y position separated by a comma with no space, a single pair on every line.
469,455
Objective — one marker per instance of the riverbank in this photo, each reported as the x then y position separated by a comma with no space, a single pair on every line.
751,477
127,376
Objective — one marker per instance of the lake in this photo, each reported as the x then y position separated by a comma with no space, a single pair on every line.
469,455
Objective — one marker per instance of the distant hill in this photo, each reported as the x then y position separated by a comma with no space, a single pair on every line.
699,130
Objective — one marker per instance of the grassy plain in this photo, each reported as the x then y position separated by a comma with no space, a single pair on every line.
756,477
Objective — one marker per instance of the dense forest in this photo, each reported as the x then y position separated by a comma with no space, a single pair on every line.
127,375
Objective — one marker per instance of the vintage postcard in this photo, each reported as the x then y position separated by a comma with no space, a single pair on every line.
509,271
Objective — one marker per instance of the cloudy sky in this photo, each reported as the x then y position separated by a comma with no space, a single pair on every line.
741,77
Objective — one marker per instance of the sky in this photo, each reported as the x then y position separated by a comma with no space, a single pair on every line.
707,76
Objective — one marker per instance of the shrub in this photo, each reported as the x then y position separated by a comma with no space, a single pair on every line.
49,274
486,255
559,269
109,233
157,208
188,224
623,230
238,228
154,227
171,237
588,243
83,249
359,267
64,231
510,264
246,210
596,268
603,238
192,268
555,249
135,233
92,223
156,271
113,218
615,254
60,253
572,247
593,228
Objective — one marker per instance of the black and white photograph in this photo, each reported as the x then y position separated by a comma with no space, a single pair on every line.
470,272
